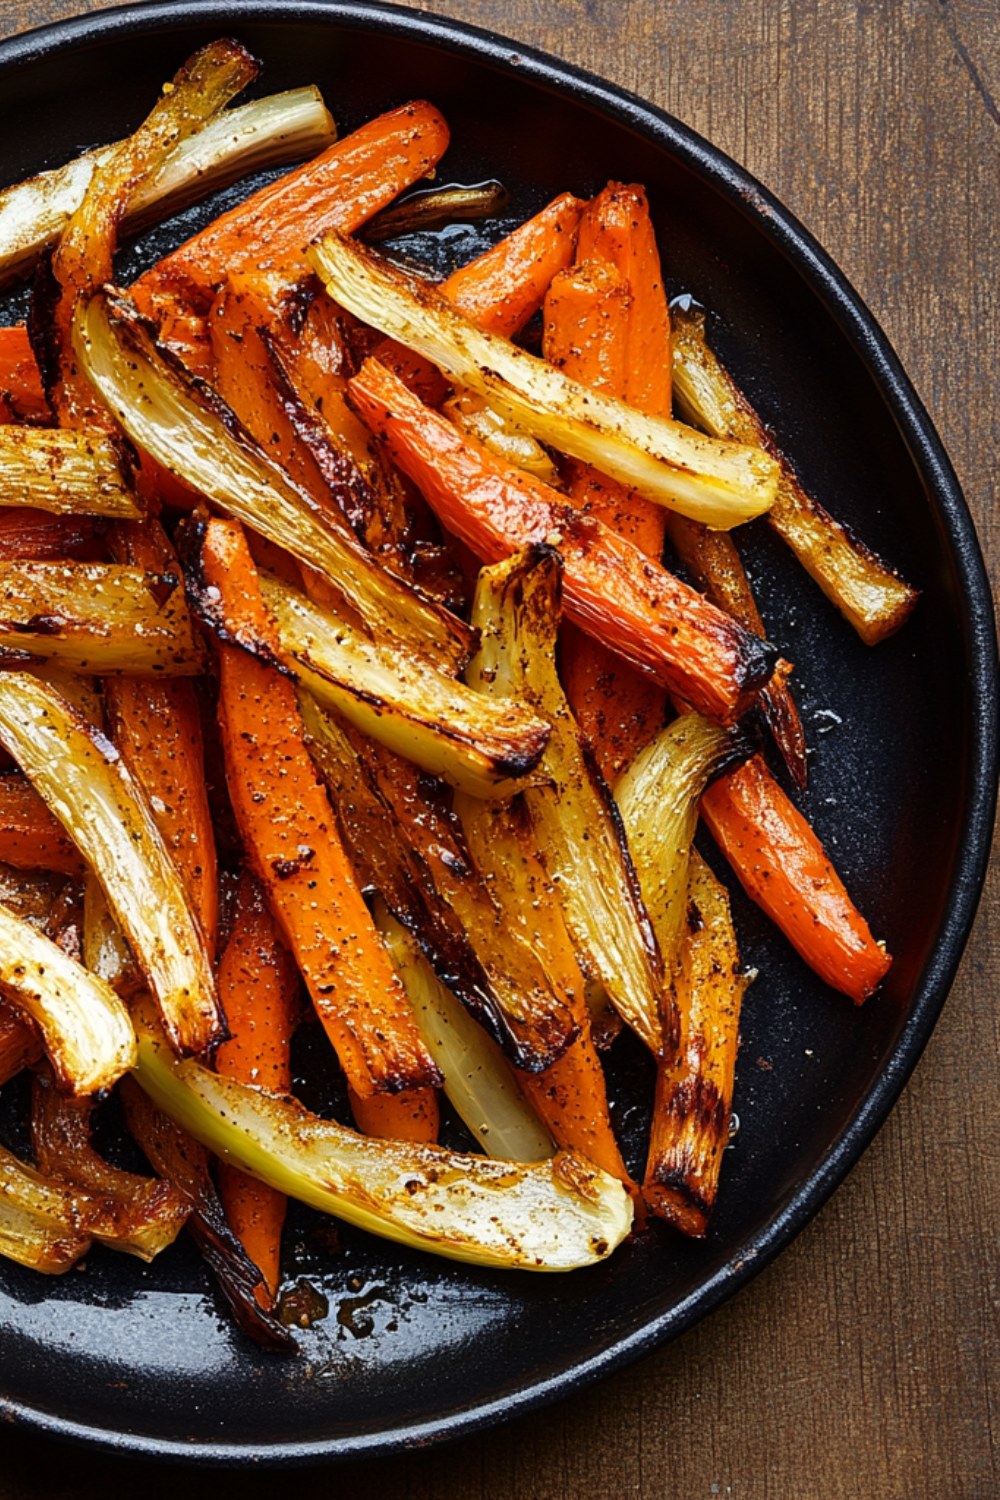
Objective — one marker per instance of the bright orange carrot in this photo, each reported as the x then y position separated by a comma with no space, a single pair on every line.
20,378
611,589
156,726
503,288
588,317
616,228
413,1116
19,1043
289,830
781,865
338,189
31,838
571,1098
259,988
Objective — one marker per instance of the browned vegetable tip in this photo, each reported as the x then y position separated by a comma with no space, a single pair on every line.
76,473
184,1163
97,618
434,208
141,1215
20,1043
874,599
694,1093
714,563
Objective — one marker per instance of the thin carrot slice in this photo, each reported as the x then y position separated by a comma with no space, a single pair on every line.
611,589
782,865
289,829
31,838
588,317
258,986
338,189
414,1116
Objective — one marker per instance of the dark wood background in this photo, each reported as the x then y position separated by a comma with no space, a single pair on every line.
863,1364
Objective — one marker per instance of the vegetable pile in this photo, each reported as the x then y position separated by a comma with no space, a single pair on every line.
346,672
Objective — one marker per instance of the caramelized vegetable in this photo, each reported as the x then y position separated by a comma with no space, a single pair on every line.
719,483
868,594
612,590
19,1042
80,777
31,837
694,1093
78,473
781,865
434,208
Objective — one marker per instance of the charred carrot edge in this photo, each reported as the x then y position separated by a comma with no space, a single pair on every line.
289,830
588,314
157,729
339,189
782,865
258,987
712,560
616,228
19,1043
20,378
611,589
503,288
31,838
414,1116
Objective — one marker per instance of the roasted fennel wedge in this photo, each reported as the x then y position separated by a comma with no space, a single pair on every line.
40,1223
517,611
386,691
84,1026
97,618
282,128
874,599
479,1083
658,800
67,473
715,482
554,1216
188,429
80,776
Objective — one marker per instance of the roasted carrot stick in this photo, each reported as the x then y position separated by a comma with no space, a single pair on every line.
611,589
616,228
338,189
503,288
28,535
31,838
19,1042
571,1098
781,865
20,378
258,987
156,726
289,830
413,1116
588,317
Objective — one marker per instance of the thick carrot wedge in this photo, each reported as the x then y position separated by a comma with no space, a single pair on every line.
588,317
30,837
611,589
782,866
504,287
413,1116
156,726
571,1098
289,830
616,228
20,378
338,189
258,986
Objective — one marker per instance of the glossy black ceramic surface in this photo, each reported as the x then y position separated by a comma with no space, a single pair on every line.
902,780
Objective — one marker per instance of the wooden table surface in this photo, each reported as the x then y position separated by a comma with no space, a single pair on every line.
863,1364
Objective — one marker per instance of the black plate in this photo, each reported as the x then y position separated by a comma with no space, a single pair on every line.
902,785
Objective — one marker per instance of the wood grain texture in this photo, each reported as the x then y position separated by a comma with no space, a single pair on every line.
863,1364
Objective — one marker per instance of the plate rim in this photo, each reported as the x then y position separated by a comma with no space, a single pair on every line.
928,455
